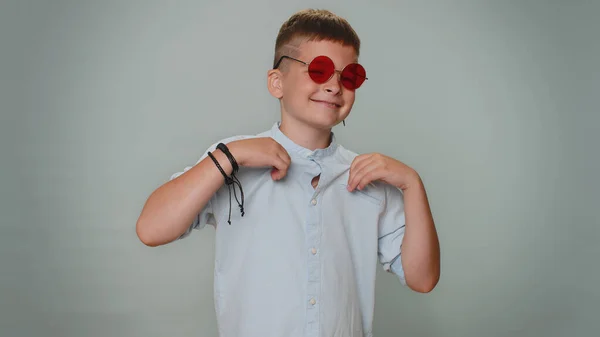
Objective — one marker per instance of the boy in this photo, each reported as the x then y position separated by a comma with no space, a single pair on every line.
299,255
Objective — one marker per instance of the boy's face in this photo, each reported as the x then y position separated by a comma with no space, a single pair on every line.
319,106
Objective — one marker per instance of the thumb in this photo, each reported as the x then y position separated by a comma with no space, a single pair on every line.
277,174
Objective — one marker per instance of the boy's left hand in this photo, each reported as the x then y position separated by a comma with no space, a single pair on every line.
367,168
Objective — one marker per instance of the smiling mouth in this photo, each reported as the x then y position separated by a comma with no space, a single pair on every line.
329,104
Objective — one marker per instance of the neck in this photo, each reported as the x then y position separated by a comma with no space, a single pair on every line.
304,135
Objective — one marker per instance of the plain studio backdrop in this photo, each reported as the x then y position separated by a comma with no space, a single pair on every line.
494,103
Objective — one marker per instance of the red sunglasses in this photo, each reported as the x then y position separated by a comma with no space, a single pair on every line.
321,69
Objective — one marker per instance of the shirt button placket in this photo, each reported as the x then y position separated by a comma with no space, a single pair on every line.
314,266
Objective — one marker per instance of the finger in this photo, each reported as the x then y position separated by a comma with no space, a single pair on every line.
280,168
352,179
358,163
369,177
355,177
359,159
359,176
281,152
286,162
285,156
275,174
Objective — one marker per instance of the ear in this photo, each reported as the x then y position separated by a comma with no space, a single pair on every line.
275,83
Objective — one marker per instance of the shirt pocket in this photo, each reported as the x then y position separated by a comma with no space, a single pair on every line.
364,195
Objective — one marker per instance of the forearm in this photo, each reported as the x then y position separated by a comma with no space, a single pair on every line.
170,209
420,248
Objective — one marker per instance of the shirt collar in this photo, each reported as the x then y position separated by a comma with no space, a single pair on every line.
290,146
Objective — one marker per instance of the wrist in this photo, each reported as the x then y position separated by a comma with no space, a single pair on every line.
229,156
234,149
413,181
223,161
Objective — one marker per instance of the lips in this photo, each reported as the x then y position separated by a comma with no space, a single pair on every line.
329,103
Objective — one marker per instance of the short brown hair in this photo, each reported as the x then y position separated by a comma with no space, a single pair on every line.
314,25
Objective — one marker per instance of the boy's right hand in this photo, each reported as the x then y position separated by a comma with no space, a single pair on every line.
261,152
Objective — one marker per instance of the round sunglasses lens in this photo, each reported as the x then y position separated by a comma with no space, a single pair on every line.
353,76
321,69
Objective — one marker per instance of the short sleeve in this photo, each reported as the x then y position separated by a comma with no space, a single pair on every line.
391,229
210,213
206,216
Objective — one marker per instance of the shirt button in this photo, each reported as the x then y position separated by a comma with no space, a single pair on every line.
314,202
313,251
313,301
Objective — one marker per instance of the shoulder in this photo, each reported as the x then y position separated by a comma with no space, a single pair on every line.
379,190
214,145
344,155
236,138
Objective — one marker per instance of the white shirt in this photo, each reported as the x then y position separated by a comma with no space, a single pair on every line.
302,261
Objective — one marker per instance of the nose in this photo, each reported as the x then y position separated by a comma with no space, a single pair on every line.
333,85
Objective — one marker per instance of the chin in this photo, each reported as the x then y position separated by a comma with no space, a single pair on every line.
319,117
325,123
322,112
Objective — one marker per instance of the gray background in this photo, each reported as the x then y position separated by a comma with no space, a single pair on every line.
495,103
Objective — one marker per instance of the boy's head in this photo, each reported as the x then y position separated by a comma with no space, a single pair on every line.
315,71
